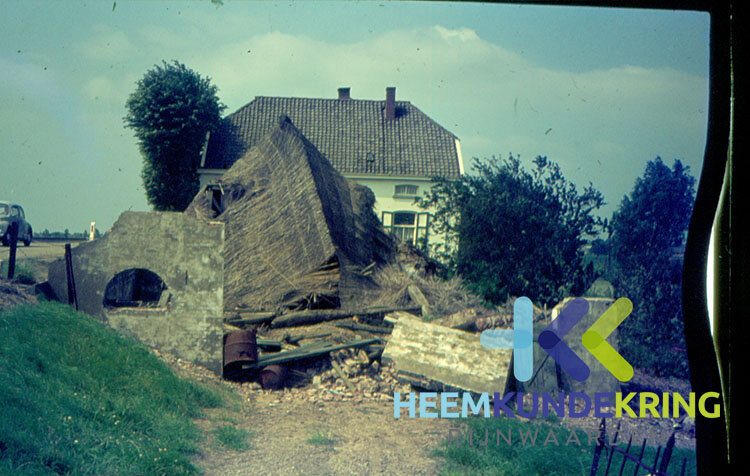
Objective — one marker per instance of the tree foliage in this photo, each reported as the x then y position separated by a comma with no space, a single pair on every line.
648,236
509,232
170,111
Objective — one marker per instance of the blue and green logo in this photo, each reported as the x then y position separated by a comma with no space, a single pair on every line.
521,338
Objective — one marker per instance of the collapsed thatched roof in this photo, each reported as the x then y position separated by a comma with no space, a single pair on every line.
297,231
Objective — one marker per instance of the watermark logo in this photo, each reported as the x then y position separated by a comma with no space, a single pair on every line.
521,337
579,405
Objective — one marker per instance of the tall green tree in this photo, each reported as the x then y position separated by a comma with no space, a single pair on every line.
170,111
648,235
510,232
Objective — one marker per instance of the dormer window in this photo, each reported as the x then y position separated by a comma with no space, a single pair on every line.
406,191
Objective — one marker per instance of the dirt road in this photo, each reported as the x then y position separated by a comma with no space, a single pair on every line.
38,250
293,436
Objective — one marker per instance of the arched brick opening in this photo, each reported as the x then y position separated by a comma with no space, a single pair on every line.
135,287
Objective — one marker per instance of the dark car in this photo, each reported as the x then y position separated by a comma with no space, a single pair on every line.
9,213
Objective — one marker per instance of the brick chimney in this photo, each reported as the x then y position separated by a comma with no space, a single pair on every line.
344,93
390,103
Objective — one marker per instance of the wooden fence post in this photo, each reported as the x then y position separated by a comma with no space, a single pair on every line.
13,235
72,296
600,443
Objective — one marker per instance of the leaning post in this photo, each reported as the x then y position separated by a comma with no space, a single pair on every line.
600,443
72,296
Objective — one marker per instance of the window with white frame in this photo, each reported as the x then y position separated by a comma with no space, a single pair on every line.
409,227
405,191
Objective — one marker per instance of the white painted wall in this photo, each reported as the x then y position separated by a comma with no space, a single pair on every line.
384,189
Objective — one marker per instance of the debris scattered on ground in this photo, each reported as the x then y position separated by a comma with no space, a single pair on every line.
13,293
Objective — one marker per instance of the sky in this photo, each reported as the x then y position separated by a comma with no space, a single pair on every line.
600,91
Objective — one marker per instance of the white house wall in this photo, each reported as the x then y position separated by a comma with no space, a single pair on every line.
384,189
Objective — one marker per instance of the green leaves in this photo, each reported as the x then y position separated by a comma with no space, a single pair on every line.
170,112
648,232
513,232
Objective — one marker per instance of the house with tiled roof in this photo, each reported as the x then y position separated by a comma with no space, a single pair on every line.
389,146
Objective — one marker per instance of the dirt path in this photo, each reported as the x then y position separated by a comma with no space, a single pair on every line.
292,436
314,430
323,429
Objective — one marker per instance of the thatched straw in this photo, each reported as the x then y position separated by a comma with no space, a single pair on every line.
296,230
445,297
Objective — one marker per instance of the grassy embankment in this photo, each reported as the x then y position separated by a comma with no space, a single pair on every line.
77,398
558,455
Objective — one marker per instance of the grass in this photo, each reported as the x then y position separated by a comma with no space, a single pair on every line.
321,438
567,458
79,399
23,274
232,438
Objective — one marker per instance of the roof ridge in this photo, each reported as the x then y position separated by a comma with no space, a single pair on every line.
241,108
346,132
343,101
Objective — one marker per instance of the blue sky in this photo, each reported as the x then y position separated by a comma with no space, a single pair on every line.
601,91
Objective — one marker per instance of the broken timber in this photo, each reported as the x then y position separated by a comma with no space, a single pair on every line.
250,317
313,317
305,352
301,318
439,358
355,326
416,295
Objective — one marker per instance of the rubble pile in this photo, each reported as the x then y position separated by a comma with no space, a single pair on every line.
13,294
310,272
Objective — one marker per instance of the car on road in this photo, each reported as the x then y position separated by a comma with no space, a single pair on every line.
10,213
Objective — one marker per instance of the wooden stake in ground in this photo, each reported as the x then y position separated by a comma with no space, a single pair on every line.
13,242
72,296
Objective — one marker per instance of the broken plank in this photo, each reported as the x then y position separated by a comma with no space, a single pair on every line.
393,317
252,314
247,318
439,358
419,298
368,268
313,317
268,343
364,327
340,372
294,340
308,352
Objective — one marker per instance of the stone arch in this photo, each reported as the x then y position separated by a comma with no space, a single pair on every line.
134,287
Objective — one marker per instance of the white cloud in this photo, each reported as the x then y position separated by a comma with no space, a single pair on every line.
101,88
493,98
108,44
463,34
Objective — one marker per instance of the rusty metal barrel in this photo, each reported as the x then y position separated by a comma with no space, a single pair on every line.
272,377
240,351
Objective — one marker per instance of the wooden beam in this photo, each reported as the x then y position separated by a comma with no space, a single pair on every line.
438,358
307,352
302,318
419,298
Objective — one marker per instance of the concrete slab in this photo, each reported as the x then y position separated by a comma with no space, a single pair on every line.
440,358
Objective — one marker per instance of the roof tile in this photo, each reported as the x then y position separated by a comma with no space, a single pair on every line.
352,133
